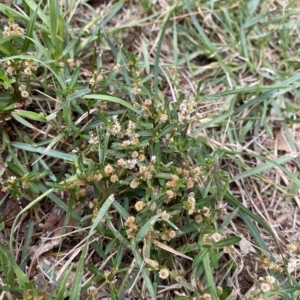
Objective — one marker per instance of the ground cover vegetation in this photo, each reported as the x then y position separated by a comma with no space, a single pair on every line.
149,149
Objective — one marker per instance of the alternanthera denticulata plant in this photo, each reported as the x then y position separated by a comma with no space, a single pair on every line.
160,179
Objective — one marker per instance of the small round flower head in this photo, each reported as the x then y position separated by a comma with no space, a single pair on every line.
190,204
116,68
153,206
172,234
134,184
22,87
11,179
71,62
141,157
153,263
28,71
165,216
98,176
164,273
30,64
92,292
24,94
126,143
175,178
134,154
11,70
167,235
206,296
130,222
140,205
146,172
292,247
163,118
116,127
108,169
206,212
93,139
216,237
207,239
103,105
199,218
131,233
121,163
190,183
24,184
270,279
131,125
135,90
114,178
92,81
135,139
292,265
12,29
170,194
131,163
264,286
94,177
95,213
148,102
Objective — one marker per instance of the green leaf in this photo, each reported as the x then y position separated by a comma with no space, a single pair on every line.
79,94
157,56
105,207
30,30
112,99
266,166
199,258
6,265
209,276
167,129
213,258
76,286
146,227
62,289
233,240
30,115
42,150
113,292
74,77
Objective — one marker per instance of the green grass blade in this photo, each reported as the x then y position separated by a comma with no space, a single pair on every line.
266,166
77,283
62,289
157,56
147,280
42,150
103,210
30,30
209,276
112,99
26,246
